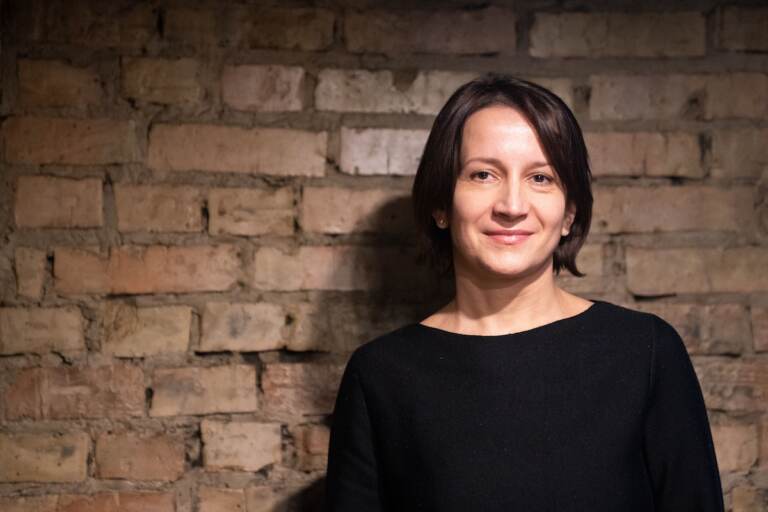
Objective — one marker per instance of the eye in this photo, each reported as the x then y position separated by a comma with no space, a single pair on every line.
482,175
547,179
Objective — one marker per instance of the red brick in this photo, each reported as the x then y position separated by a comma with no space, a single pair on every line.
52,202
133,457
251,211
736,445
124,501
41,330
44,457
296,390
30,267
375,151
242,327
759,317
644,154
214,499
733,384
186,391
487,30
739,152
311,446
339,210
673,208
617,34
158,208
166,81
54,83
146,269
29,503
46,140
130,331
276,151
240,445
696,270
66,392
737,95
743,28
263,88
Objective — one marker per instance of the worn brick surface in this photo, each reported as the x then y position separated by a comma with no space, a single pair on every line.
739,152
47,140
115,391
264,88
477,31
175,81
673,208
30,265
617,34
134,457
341,210
51,202
759,317
158,208
250,211
277,151
41,330
43,457
743,28
29,503
736,446
240,445
124,501
146,269
312,446
734,385
644,154
214,499
178,391
371,151
298,390
696,270
242,327
55,83
131,331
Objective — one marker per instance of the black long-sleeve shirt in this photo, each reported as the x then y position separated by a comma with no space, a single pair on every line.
601,411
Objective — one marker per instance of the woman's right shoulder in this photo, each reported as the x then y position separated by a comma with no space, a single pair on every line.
388,346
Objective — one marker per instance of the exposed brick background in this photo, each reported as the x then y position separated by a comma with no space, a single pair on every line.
204,208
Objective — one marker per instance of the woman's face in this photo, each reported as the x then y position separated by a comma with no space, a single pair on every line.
505,184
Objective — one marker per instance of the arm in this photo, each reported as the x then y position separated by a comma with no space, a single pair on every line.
678,446
352,479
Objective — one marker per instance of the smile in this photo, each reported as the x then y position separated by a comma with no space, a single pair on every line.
509,239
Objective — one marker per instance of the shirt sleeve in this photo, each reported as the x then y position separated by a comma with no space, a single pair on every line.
678,446
352,480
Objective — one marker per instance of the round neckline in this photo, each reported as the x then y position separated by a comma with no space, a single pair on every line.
533,330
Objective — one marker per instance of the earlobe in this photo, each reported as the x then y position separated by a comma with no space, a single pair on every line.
440,219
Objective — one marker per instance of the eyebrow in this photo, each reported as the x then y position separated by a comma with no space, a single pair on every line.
498,163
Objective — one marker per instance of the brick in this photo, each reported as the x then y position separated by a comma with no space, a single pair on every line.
240,445
52,202
54,83
263,88
44,457
196,27
743,28
736,446
133,457
187,391
764,441
47,140
167,81
276,151
746,498
146,269
340,267
338,210
242,327
251,211
263,498
644,154
737,95
214,499
617,34
115,391
733,384
29,503
739,152
696,270
591,262
358,90
706,328
673,208
30,266
130,331
41,330
312,446
158,208
381,151
477,31
124,501
759,318
296,390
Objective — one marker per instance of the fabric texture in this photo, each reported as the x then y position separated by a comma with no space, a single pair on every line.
601,411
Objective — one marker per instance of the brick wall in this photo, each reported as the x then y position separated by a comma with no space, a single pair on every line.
204,208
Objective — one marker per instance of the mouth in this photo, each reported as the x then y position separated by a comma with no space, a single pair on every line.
512,238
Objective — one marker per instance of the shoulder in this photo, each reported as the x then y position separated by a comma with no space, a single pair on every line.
377,351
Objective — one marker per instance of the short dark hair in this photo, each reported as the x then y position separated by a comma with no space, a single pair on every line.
560,137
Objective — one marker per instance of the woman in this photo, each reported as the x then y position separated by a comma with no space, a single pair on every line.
517,395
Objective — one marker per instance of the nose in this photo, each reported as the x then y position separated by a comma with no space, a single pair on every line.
513,199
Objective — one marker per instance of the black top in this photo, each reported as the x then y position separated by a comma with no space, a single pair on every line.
601,411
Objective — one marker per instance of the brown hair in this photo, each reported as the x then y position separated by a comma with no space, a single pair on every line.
560,137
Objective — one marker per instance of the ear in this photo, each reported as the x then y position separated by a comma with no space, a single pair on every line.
570,215
440,218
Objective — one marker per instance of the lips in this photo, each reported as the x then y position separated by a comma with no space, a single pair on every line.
509,236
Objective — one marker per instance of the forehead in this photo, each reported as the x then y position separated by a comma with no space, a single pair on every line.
499,130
